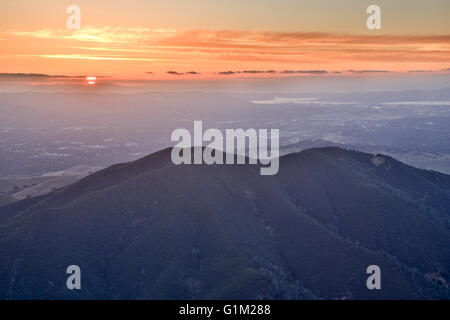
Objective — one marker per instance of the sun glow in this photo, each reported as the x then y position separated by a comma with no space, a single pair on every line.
91,80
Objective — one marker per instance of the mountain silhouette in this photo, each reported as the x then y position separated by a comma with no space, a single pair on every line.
150,229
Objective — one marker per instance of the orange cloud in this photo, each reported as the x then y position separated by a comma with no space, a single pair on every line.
210,51
80,57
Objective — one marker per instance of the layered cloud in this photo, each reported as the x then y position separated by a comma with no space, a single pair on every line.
176,73
252,53
368,71
304,71
105,34
35,76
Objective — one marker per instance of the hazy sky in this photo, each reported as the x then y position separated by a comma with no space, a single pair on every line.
347,16
208,38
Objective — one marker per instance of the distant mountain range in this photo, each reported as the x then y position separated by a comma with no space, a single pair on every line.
149,229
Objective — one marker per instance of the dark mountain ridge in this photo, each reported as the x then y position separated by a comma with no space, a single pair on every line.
149,229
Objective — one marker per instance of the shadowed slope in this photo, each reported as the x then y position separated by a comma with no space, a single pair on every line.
150,229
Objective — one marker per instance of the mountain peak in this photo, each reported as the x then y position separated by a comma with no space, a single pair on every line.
152,229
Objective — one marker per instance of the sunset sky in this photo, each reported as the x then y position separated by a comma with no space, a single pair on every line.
137,39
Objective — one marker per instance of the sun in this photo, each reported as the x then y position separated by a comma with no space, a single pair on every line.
91,80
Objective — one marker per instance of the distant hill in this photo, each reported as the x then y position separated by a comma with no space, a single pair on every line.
12,185
149,229
307,144
80,170
21,188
